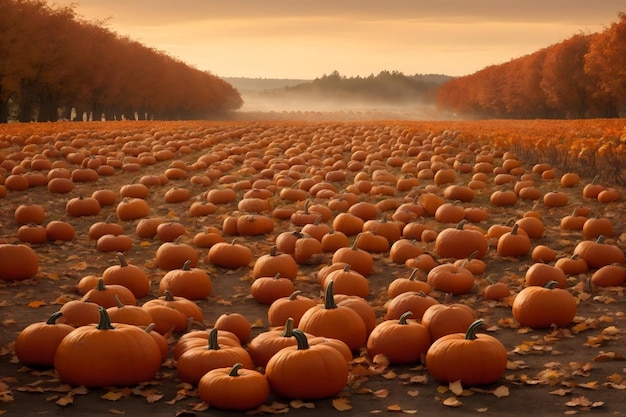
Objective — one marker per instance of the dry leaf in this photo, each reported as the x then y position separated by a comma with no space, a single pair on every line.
301,404
501,391
36,304
116,411
452,402
66,400
342,404
456,387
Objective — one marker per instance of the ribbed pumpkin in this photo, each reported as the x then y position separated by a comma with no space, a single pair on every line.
541,307
401,340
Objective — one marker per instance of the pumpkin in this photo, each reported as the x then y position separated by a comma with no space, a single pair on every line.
358,259
495,291
104,295
266,344
541,307
32,233
36,344
336,321
401,341
293,306
173,255
29,213
235,323
597,226
410,283
107,227
128,275
415,301
104,355
169,312
612,275
17,262
231,255
198,360
450,278
187,282
457,242
540,273
307,372
170,231
471,358
598,253
348,281
543,253
233,388
129,314
513,244
82,206
361,306
266,290
78,313
273,263
572,265
132,209
444,319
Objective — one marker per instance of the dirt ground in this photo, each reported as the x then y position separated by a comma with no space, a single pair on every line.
579,369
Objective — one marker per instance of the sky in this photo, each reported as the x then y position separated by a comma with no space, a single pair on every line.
307,39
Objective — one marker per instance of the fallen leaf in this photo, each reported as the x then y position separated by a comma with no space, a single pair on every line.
301,404
501,391
36,304
452,402
66,400
456,387
342,404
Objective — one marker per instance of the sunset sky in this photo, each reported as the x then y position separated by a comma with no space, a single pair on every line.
307,39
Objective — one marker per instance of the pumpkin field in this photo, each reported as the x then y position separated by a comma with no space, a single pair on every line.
304,267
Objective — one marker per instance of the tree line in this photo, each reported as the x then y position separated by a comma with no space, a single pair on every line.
583,76
54,65
387,86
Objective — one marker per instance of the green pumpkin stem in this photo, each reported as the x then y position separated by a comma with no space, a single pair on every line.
288,331
234,371
470,334
551,284
213,343
294,295
329,296
105,321
403,318
53,318
303,342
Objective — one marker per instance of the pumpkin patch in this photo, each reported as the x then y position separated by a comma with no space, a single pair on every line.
353,239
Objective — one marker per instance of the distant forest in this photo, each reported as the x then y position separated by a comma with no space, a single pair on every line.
391,87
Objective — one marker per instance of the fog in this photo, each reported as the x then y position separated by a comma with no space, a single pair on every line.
259,105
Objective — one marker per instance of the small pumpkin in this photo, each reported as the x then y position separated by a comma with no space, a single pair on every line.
451,278
293,306
401,341
130,276
187,282
444,319
471,358
266,290
36,344
17,262
541,307
307,372
233,388
457,242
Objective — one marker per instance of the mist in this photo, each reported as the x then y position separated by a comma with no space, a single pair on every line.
260,105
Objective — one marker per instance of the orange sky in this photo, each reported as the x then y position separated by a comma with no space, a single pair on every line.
307,39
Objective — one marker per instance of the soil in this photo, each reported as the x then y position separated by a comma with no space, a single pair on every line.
572,370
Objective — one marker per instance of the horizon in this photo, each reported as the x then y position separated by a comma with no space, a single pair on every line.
281,39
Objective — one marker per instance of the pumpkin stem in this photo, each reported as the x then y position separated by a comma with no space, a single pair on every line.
288,332
168,295
213,343
122,259
470,334
150,327
105,321
303,342
600,239
294,295
551,284
514,229
53,318
100,286
588,287
118,301
329,296
355,244
234,371
403,318
187,265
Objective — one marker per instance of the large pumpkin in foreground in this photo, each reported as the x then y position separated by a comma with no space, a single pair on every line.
474,359
104,355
